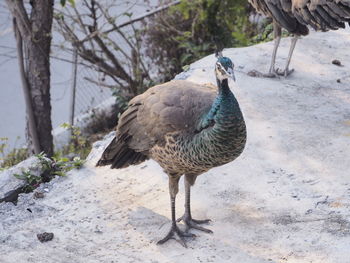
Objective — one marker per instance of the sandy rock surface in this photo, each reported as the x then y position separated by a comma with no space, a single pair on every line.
285,199
9,182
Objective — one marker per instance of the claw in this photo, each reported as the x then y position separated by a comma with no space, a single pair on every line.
190,225
194,223
273,74
285,72
258,74
179,233
204,221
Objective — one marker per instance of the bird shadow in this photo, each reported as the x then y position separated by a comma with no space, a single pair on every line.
150,224
204,247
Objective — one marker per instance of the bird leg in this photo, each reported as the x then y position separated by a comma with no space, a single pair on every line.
187,217
174,230
277,31
286,72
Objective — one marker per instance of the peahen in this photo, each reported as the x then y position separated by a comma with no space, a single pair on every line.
187,128
295,16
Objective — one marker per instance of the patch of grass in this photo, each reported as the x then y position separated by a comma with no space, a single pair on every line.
13,157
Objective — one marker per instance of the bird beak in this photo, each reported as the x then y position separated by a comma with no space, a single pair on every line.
231,73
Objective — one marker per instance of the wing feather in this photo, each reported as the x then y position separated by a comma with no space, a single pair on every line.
322,14
176,106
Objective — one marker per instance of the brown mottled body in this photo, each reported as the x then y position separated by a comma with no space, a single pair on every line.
189,160
152,120
147,128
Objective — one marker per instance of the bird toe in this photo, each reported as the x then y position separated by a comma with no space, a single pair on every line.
286,72
176,232
258,74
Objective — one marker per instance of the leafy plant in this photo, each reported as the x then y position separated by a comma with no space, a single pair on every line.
79,144
58,165
49,169
32,181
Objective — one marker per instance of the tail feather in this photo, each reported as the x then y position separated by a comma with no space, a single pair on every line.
122,159
119,155
285,20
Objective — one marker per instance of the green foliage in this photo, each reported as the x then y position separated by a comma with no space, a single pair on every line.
78,148
58,165
13,157
3,144
121,100
196,28
49,169
63,2
32,181
266,33
220,22
79,144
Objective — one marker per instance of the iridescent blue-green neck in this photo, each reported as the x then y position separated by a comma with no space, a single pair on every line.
224,106
223,86
222,133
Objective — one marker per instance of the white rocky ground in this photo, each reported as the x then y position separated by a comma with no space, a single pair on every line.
286,199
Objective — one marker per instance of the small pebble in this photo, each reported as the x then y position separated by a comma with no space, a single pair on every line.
38,195
44,237
338,80
337,62
253,73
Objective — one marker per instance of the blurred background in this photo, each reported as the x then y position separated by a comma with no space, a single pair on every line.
115,50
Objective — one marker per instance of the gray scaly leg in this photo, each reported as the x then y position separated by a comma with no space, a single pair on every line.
286,72
277,31
277,36
174,230
187,217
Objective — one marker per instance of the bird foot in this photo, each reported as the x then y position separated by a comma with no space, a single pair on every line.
194,223
257,74
274,73
285,72
175,231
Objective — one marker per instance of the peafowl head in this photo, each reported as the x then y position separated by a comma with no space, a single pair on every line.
224,69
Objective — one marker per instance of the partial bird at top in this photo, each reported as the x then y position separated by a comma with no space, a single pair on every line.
295,16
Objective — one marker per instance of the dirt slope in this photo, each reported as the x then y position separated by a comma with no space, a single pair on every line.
286,199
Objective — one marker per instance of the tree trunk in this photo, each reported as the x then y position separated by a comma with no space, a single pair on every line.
38,52
35,30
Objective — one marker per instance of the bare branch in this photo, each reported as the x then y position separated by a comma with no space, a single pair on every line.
102,84
18,10
120,72
123,61
139,18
